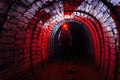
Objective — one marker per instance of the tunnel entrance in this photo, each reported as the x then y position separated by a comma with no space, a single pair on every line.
72,57
76,45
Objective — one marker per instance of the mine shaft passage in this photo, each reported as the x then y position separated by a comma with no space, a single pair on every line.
75,43
59,39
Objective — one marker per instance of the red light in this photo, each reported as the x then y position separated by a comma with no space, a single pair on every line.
65,26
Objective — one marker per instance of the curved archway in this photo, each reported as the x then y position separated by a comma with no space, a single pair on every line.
81,43
27,28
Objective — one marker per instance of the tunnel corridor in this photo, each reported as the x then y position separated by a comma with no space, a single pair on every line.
80,45
59,40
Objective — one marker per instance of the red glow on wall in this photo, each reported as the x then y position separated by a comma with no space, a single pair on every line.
33,51
65,26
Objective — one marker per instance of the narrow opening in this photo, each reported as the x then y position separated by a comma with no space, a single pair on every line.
75,44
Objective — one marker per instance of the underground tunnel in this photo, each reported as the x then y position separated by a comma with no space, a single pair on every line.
76,45
59,40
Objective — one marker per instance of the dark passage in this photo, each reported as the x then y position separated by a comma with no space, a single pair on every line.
59,39
78,47
81,43
72,61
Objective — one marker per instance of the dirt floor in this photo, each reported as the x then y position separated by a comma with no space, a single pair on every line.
70,70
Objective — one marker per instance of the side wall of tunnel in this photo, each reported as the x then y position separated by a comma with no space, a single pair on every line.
20,49
24,44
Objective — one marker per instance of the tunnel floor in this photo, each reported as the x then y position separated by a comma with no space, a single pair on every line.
59,68
69,71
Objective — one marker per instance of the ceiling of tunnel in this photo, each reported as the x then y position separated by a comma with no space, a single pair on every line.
57,11
114,2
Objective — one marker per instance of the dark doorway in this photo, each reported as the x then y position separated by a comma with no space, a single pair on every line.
80,47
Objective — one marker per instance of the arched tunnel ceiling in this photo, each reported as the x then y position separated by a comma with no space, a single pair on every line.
28,28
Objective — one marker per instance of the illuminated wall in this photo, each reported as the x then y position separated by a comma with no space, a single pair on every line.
27,28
